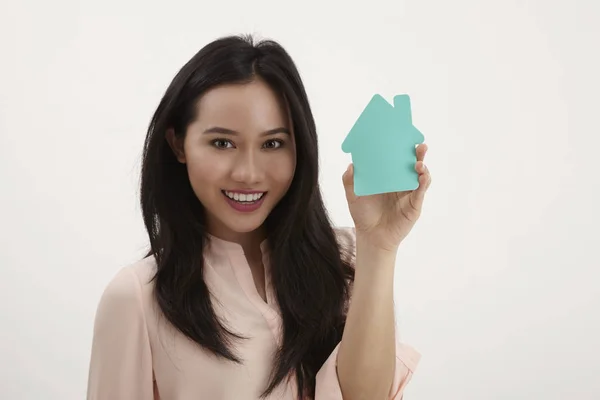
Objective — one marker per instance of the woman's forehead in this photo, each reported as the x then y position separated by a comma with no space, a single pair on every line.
240,107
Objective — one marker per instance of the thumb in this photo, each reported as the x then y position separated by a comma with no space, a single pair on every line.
348,181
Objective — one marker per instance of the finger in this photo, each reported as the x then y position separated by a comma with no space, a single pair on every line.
417,197
421,168
424,178
348,181
421,151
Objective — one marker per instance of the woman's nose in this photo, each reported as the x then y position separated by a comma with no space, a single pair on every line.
247,169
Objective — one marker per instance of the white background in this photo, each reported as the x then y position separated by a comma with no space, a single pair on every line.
498,285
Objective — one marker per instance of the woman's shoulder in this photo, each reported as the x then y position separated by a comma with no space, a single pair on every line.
130,288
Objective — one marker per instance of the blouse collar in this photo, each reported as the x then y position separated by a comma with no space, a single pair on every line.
220,250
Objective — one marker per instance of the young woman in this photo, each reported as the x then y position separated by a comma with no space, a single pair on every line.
247,291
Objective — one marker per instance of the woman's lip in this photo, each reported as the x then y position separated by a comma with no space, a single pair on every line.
245,191
245,207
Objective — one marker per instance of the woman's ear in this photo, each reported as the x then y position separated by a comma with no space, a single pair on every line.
176,145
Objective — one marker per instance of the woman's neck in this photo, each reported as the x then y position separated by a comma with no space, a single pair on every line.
249,241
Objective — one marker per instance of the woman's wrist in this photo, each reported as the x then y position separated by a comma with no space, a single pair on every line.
374,255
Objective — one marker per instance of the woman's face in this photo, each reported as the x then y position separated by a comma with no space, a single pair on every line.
240,155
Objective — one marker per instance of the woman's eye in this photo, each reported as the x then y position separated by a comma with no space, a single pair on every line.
273,144
221,143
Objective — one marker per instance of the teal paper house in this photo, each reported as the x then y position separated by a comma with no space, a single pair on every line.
383,146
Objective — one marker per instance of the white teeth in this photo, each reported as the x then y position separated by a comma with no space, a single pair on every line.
244,197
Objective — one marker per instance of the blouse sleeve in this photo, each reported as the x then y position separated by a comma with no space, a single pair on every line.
407,358
121,361
328,385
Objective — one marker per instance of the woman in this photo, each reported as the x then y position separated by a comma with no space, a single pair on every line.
245,293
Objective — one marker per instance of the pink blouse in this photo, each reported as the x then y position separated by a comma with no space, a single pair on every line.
137,355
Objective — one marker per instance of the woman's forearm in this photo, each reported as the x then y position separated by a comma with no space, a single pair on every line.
367,354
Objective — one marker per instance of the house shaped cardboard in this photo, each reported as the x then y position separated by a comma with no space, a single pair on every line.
382,143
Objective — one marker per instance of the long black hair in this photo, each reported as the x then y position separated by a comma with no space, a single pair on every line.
311,273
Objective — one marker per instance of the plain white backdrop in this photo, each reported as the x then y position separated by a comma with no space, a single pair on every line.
497,286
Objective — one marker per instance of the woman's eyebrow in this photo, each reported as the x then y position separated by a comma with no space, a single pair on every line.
226,131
